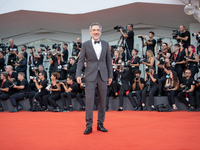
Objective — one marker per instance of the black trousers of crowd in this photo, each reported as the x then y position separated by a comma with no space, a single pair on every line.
3,96
69,97
17,97
182,98
39,97
171,96
161,83
51,99
179,71
138,95
198,99
152,93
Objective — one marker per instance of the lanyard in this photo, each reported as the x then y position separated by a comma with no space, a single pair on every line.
2,84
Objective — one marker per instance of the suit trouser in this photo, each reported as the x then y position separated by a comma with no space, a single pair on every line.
16,97
90,93
107,98
190,95
152,92
3,97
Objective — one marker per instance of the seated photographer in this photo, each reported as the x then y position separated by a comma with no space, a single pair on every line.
137,87
116,60
71,91
171,87
4,90
2,61
151,87
41,69
121,84
149,43
134,63
41,85
11,74
39,58
192,60
71,68
177,61
122,53
197,90
186,95
21,65
165,68
22,86
150,60
55,93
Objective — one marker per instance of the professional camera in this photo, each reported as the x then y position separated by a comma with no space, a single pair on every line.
61,81
4,47
159,41
48,87
31,47
186,58
148,85
124,29
140,37
144,59
45,46
168,87
175,33
147,70
74,50
162,60
32,78
56,46
34,68
65,66
14,82
197,37
114,46
184,89
160,51
136,78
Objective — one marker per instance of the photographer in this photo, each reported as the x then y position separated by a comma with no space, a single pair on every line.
171,87
78,47
165,68
149,43
23,49
198,94
122,53
192,60
11,74
41,69
39,58
116,60
22,86
53,62
21,65
59,65
41,85
31,63
2,62
71,69
187,91
121,84
150,60
12,49
65,52
184,36
4,90
137,87
151,87
177,61
134,63
71,91
129,39
55,92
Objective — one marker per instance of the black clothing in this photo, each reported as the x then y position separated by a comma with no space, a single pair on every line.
25,55
193,66
71,70
25,84
130,40
53,67
151,46
12,57
2,63
132,69
40,60
65,55
22,65
185,43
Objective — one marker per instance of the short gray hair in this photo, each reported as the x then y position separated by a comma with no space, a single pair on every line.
95,24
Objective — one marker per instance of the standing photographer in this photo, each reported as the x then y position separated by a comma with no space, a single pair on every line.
22,86
12,49
149,43
2,62
184,36
151,87
65,52
150,60
198,94
187,94
53,62
4,89
39,58
137,87
78,48
129,39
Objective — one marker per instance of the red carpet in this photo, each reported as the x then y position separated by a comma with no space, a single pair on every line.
127,130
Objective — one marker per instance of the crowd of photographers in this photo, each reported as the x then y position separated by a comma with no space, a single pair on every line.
177,69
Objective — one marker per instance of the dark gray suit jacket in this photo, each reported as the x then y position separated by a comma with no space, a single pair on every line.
104,64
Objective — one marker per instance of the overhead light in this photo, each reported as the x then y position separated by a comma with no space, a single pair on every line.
189,8
197,14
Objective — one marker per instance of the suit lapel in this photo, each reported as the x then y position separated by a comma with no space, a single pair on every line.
92,49
102,49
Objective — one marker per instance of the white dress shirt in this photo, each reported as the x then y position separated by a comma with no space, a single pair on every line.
97,48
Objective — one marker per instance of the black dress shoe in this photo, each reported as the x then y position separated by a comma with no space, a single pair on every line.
191,109
100,127
14,110
144,108
151,109
120,109
88,130
139,108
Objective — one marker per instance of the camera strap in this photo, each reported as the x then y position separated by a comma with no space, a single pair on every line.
2,84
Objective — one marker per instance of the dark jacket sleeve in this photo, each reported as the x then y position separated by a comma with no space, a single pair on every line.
80,61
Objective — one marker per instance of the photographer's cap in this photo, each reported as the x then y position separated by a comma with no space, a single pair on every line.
178,45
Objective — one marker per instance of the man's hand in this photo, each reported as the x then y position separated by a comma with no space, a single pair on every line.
78,79
109,81
143,36
120,29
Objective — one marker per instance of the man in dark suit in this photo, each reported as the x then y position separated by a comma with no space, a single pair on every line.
98,73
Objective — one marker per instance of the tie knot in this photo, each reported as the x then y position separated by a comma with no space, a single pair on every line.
96,42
